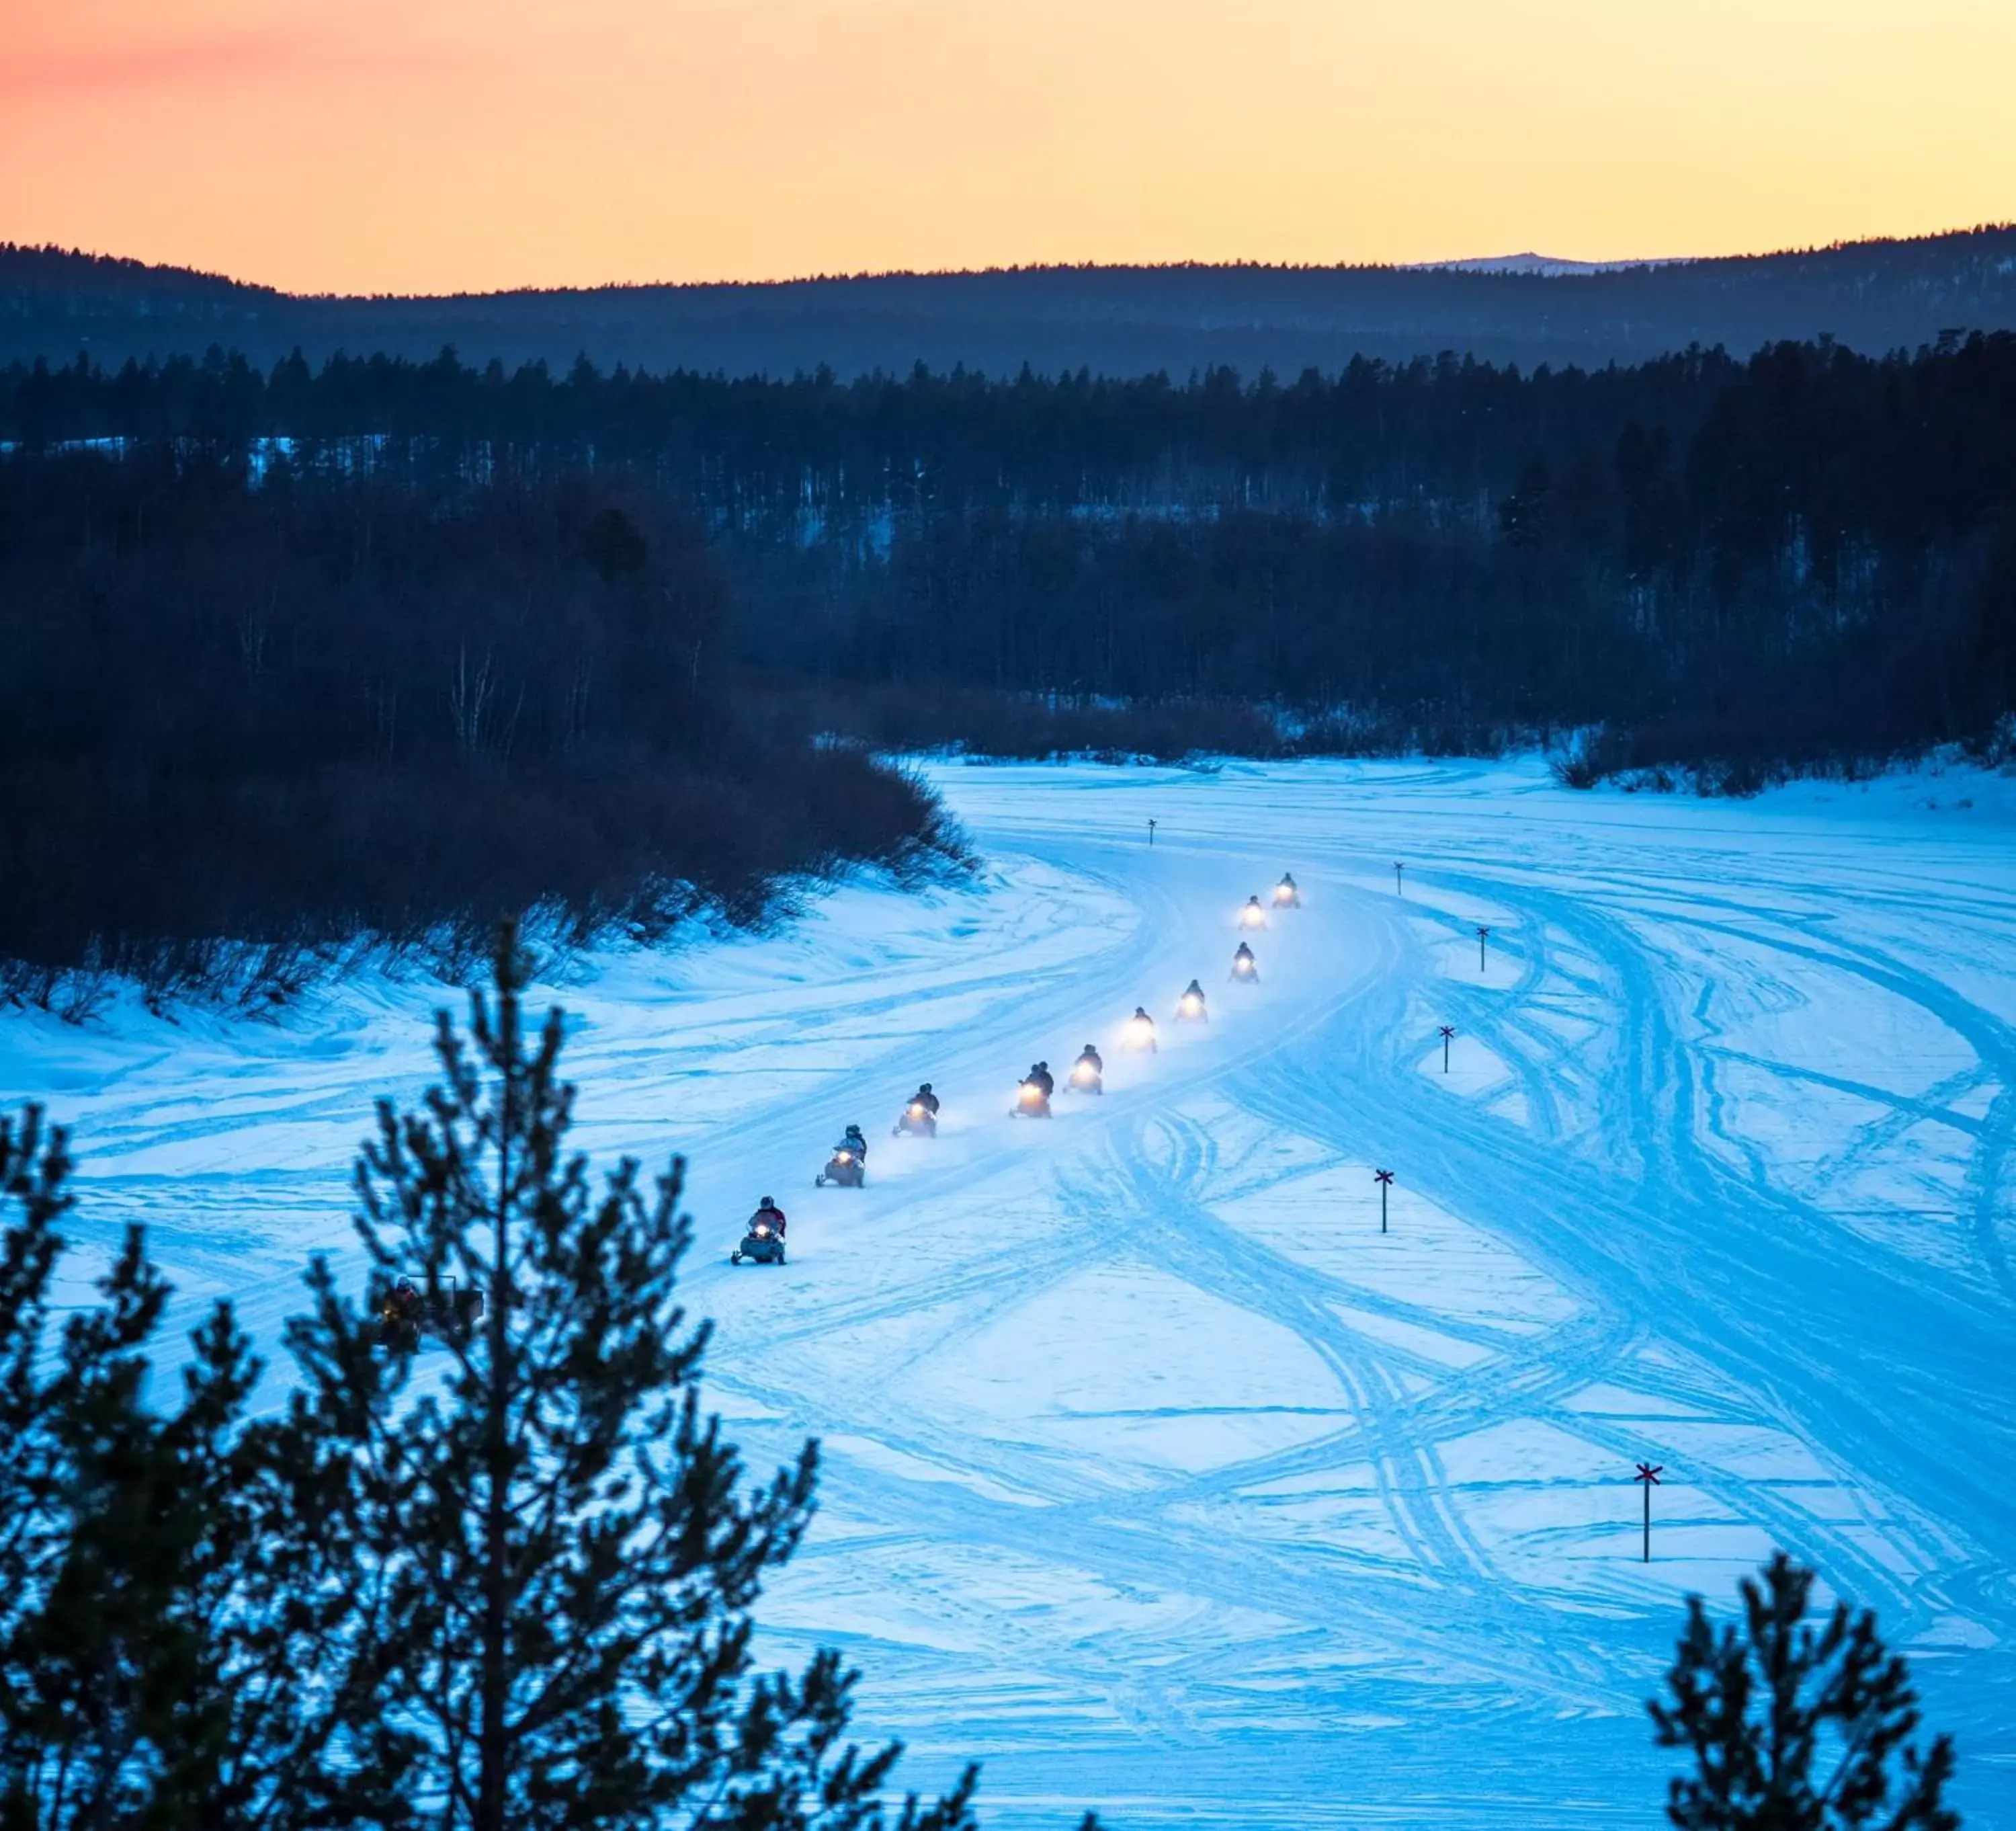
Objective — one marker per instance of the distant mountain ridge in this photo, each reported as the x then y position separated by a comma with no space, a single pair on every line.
1552,266
1527,308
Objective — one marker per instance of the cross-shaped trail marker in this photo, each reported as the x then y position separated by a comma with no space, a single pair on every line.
1647,1479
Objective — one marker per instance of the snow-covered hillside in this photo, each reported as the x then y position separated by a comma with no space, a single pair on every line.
1156,1477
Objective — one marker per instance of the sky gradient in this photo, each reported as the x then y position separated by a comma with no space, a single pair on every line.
444,145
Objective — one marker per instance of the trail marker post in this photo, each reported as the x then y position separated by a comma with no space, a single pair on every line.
1448,1030
1647,1479
1151,829
1483,934
1398,889
1384,1179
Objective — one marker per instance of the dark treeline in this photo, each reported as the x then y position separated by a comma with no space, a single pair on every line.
1121,321
288,715
1809,554
817,457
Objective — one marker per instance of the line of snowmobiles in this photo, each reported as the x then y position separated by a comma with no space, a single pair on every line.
846,1165
410,1314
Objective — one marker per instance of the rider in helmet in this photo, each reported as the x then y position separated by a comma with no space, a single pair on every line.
768,1214
926,1099
853,1141
1041,1074
1243,964
1090,1059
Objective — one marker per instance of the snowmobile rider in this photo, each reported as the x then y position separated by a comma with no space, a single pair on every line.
768,1214
853,1141
1141,1030
1285,890
1041,1076
1090,1059
1243,966
926,1098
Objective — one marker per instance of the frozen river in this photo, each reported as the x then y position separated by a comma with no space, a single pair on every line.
1156,1477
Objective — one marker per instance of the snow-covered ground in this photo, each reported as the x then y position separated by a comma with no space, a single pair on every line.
1156,1475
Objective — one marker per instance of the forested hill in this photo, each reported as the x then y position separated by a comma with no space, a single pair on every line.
1871,296
1812,553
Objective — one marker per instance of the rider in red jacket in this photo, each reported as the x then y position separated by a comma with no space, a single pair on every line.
767,1211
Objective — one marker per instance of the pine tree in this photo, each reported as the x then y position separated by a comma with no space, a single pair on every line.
553,1554
34,1168
78,1645
158,1643
107,1665
1797,1729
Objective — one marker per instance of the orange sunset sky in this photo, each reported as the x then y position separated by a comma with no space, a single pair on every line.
435,144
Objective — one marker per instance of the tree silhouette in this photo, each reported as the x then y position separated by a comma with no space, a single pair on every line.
1797,1728
555,1552
158,1640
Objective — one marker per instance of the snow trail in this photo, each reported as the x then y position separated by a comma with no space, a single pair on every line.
1155,1475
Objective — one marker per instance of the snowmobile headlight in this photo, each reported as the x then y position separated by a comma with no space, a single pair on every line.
916,1110
844,1156
1140,1031
1192,1004
1242,967
1281,894
1250,916
1082,1073
1031,1093
762,1233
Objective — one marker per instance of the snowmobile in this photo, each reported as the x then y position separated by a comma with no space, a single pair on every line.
763,1245
1087,1074
409,1313
847,1168
1190,1007
1140,1032
1032,1101
1253,916
1286,895
918,1121
1245,969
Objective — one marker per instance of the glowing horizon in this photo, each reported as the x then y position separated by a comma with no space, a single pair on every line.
437,145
